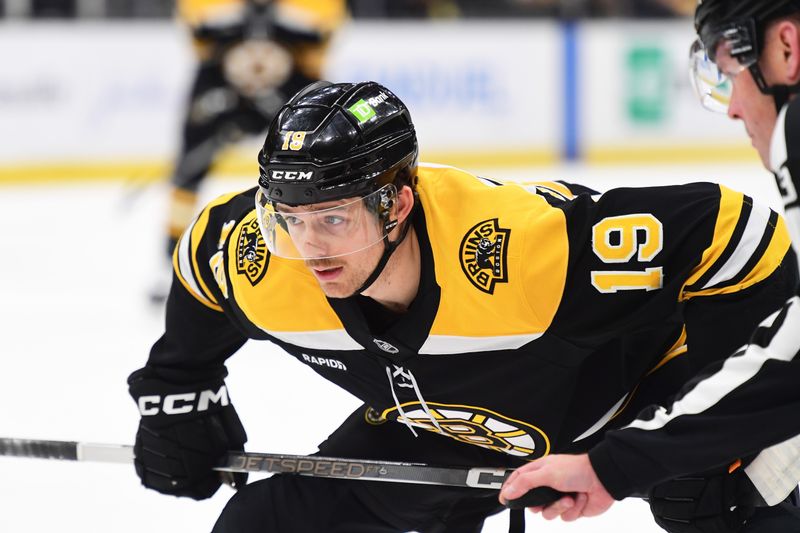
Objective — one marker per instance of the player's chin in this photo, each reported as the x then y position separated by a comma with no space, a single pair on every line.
337,289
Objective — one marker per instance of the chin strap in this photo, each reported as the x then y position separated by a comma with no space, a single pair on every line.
779,93
388,248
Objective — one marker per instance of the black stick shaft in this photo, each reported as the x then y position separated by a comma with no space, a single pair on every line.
538,497
308,465
341,468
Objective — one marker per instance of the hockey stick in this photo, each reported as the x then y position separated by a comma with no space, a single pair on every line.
307,465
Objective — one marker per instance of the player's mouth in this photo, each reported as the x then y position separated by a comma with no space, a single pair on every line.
327,274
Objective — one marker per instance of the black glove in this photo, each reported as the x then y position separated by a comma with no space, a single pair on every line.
184,432
711,502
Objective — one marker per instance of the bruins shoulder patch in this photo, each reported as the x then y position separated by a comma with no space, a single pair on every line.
483,255
252,256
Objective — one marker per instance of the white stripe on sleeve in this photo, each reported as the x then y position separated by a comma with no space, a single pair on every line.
753,233
185,265
734,372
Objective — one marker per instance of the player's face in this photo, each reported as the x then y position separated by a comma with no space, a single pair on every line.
324,230
756,110
326,236
341,277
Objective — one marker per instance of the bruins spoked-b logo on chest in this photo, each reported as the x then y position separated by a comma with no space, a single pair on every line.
251,252
475,425
483,255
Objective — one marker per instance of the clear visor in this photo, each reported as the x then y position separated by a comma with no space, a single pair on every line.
713,80
331,229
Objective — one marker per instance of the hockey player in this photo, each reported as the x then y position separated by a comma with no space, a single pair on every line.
498,323
745,62
252,56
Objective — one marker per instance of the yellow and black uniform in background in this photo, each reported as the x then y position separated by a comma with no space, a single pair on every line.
547,314
252,56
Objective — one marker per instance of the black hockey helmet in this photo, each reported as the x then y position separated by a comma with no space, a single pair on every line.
744,19
333,141
735,28
333,161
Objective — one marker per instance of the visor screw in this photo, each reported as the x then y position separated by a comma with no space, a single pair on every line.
277,192
309,193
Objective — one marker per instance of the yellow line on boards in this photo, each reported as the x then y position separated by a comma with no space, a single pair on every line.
666,154
241,164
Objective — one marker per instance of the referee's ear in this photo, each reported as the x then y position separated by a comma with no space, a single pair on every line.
784,63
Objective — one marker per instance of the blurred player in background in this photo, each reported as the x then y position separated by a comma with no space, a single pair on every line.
252,55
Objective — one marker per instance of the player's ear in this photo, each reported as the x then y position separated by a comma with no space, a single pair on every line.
405,202
788,39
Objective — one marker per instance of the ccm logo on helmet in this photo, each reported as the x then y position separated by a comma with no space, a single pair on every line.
291,175
179,404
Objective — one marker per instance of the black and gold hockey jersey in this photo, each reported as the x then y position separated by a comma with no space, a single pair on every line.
303,26
546,315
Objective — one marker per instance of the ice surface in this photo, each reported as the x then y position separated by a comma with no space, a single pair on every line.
76,262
